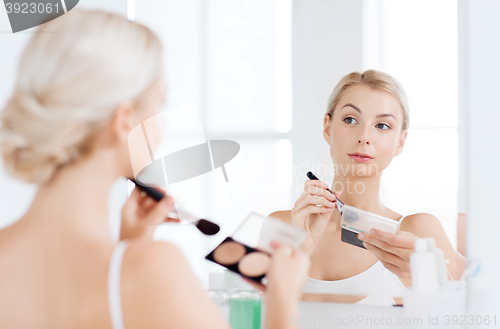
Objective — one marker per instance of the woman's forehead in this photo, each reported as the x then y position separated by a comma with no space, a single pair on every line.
370,101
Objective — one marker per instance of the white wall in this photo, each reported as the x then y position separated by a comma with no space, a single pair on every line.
480,63
327,44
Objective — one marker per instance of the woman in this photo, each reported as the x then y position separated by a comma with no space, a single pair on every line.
79,93
366,125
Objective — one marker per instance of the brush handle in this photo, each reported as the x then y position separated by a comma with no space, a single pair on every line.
205,226
152,192
340,204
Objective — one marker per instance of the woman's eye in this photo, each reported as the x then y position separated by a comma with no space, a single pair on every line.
383,126
350,120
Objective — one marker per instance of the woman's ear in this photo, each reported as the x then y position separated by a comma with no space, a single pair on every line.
122,122
401,143
327,125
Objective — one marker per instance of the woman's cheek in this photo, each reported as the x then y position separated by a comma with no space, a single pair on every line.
337,144
385,154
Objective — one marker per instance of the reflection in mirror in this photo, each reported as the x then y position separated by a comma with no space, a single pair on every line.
365,125
256,53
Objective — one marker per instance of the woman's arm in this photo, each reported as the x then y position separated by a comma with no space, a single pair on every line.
426,225
394,250
286,278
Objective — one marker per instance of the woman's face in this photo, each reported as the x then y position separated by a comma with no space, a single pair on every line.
365,131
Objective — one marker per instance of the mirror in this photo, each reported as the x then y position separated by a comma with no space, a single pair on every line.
260,73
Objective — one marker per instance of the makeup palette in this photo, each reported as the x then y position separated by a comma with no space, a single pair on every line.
242,259
248,251
355,221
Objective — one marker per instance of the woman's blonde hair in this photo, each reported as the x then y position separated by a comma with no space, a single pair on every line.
70,79
376,80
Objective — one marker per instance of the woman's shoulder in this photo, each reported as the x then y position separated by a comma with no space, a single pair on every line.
157,284
420,224
284,215
146,258
149,270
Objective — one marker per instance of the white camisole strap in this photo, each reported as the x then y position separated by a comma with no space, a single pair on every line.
114,298
401,219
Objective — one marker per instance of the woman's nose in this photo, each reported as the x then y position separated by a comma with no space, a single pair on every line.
364,137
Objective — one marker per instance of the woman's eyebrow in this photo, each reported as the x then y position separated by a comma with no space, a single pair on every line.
386,115
354,107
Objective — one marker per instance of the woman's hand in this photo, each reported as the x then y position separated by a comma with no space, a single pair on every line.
287,273
312,211
285,279
141,214
393,250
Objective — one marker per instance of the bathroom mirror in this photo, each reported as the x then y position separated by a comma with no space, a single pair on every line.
260,73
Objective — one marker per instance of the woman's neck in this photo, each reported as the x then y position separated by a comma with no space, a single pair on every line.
360,192
75,201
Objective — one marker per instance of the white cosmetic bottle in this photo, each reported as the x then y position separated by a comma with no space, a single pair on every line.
424,272
218,293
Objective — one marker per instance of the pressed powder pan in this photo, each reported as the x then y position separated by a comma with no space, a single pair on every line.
229,253
242,259
254,264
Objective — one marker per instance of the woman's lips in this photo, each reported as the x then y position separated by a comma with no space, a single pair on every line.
360,157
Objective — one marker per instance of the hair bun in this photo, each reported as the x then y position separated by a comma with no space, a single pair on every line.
67,90
35,141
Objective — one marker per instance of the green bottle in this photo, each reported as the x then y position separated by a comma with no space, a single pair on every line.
245,307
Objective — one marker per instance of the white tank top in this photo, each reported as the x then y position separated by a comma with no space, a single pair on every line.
114,297
377,283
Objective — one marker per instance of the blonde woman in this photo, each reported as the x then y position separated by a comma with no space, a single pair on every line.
79,92
366,125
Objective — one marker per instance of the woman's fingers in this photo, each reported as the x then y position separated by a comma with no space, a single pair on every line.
316,201
304,212
318,183
384,255
367,238
148,203
160,210
256,285
315,190
402,239
275,244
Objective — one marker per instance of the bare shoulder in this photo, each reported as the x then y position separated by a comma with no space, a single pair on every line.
151,259
149,273
284,215
421,224
159,289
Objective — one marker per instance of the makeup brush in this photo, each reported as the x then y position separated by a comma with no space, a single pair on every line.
340,204
205,226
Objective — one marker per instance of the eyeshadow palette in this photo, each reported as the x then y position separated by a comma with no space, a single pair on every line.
356,221
242,259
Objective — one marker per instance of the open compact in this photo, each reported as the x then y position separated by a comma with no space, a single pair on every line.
248,251
355,221
244,260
